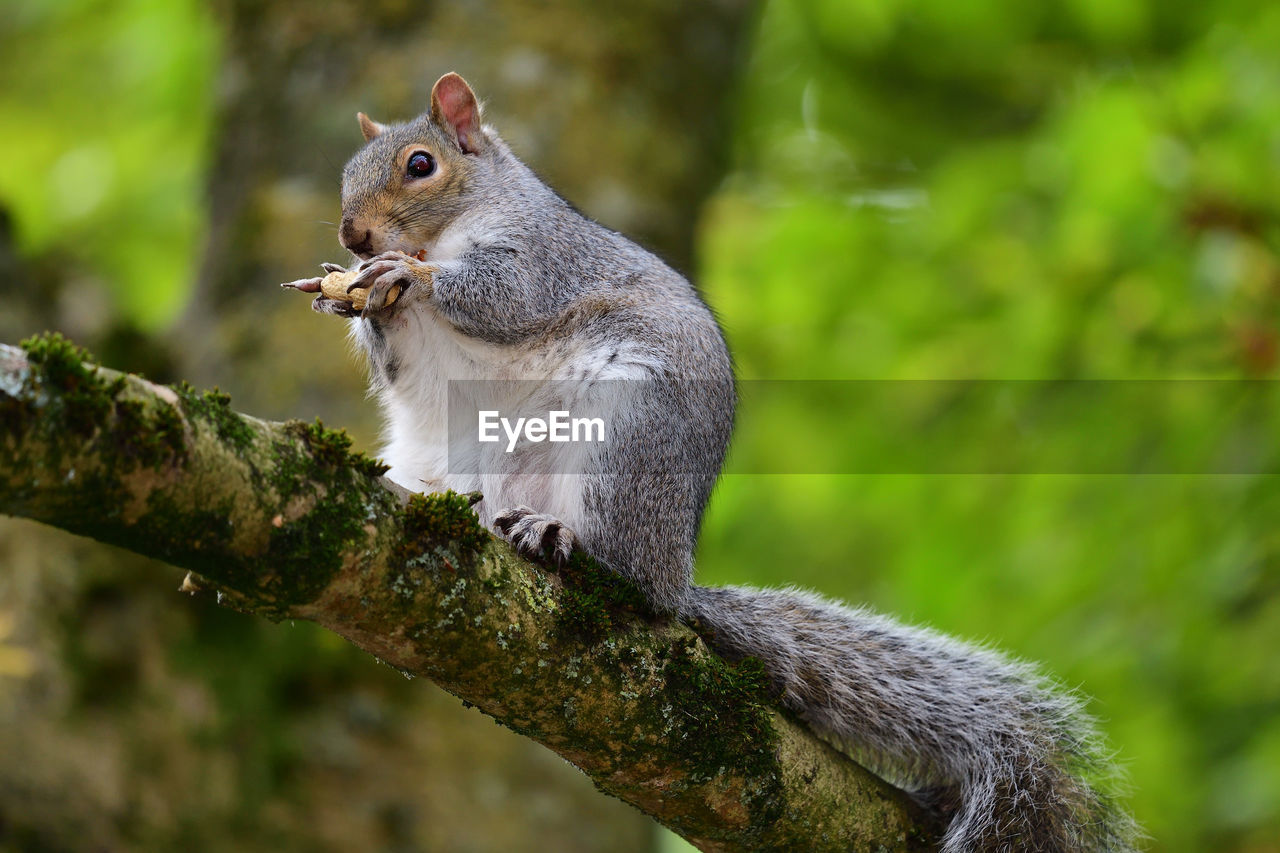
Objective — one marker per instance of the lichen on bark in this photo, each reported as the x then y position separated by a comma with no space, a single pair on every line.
285,521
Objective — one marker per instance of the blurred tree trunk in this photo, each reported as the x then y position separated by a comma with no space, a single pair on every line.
624,111
141,725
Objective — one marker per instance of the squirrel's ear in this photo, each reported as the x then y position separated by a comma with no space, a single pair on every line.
454,108
369,127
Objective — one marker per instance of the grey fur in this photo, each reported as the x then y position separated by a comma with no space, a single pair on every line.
518,285
1010,756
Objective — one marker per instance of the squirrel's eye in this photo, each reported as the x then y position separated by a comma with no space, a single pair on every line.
420,165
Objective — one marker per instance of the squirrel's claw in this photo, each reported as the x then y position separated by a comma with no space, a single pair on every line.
324,305
369,272
328,267
380,293
535,534
387,276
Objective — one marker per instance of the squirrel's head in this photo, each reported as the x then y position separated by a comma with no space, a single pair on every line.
410,180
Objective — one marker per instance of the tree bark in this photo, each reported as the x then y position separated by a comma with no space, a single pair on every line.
282,520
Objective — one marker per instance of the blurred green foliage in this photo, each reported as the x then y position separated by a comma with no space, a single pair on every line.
995,189
105,117
1087,189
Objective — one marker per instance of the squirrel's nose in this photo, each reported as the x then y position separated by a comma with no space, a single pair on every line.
357,242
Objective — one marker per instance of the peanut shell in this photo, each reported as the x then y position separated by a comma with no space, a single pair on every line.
335,284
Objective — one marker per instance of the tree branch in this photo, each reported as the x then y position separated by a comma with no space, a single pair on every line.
282,520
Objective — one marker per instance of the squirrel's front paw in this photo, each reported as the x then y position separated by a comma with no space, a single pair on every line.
536,534
387,276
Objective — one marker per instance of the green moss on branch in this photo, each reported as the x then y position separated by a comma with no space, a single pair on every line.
287,521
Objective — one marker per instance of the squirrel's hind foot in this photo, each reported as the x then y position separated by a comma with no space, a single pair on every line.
536,534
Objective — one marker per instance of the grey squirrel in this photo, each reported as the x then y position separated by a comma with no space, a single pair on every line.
475,269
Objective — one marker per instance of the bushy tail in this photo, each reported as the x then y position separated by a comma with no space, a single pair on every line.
1010,759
